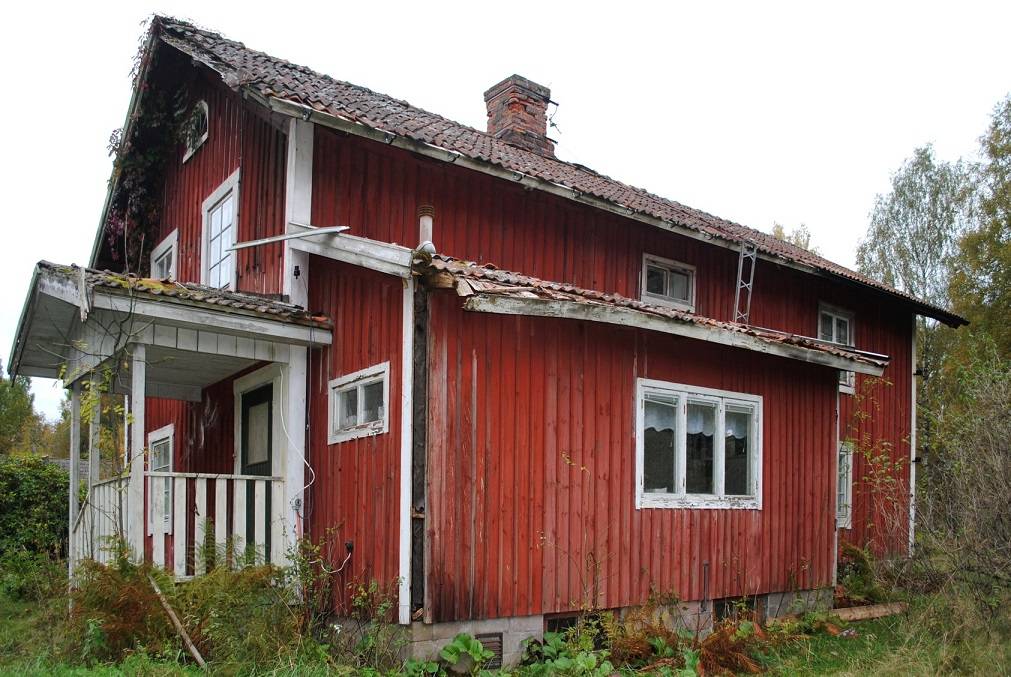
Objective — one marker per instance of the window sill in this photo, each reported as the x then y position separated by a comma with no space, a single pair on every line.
667,302
697,502
356,433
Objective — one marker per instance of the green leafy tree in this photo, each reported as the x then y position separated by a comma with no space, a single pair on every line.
915,228
981,277
911,244
799,236
17,415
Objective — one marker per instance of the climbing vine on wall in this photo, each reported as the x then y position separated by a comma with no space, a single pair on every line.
153,134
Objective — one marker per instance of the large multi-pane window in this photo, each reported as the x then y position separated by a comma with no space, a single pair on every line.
697,447
220,227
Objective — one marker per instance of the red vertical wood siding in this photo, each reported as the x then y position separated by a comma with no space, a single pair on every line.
376,190
355,493
238,138
531,485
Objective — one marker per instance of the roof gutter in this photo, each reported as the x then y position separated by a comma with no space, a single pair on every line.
348,126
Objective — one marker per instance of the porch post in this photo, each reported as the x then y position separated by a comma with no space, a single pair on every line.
94,429
75,460
293,470
135,493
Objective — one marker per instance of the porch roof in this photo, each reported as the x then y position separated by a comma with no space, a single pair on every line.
489,289
68,306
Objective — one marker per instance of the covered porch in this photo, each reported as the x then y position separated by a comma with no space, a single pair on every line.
190,404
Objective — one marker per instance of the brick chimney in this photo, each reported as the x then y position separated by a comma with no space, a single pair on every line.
517,114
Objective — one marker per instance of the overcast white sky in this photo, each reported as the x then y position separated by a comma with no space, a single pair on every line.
757,112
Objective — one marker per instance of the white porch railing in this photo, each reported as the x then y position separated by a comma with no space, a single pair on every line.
199,520
101,522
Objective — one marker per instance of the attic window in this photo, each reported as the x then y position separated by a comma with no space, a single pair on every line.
197,128
835,325
668,283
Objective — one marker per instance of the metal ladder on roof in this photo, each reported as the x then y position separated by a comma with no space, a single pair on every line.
746,263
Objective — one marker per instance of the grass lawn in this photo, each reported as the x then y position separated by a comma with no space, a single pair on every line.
928,640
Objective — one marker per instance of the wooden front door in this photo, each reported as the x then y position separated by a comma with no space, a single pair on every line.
257,456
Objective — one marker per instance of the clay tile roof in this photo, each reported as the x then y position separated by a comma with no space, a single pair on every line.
271,77
488,280
188,293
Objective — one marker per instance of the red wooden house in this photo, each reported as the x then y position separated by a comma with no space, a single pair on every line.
515,387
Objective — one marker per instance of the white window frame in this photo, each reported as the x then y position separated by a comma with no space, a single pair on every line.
847,379
844,471
167,432
359,379
169,244
681,499
193,145
670,265
230,185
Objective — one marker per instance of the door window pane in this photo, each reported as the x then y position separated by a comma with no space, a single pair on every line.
700,446
258,440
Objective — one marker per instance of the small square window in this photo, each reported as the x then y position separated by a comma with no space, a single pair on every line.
669,283
163,258
358,404
836,326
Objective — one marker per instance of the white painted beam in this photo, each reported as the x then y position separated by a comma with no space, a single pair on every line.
135,492
384,257
575,310
298,207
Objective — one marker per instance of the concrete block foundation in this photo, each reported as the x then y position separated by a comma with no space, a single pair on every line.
427,640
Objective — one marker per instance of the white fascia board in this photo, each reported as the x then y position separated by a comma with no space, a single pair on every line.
384,257
182,314
591,312
24,321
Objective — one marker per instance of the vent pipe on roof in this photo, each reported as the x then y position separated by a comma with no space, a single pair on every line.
518,114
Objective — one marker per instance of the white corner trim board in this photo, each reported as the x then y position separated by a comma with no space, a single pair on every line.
406,446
